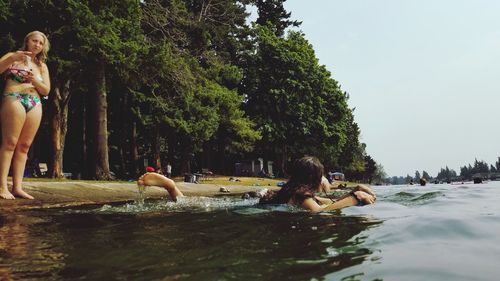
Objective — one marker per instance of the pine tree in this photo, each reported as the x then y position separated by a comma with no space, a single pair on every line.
273,14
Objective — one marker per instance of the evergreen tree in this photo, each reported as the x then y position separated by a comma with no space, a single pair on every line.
446,174
379,174
178,74
351,158
417,176
408,179
199,109
426,176
273,14
370,169
291,97
493,169
110,38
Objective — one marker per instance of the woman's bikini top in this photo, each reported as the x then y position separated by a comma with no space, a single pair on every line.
18,75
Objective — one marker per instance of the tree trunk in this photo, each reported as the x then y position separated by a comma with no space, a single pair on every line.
186,158
156,147
58,120
171,142
99,149
123,145
135,151
284,159
85,139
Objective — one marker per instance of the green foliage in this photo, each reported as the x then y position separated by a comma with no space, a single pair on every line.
235,132
108,32
446,174
294,101
468,172
195,72
408,179
379,174
273,14
417,176
187,80
5,11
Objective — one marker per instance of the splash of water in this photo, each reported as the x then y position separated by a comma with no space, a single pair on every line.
141,194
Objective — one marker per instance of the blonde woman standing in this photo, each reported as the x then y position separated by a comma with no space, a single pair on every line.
26,79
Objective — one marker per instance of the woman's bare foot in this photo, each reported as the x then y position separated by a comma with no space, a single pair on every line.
5,194
156,179
21,193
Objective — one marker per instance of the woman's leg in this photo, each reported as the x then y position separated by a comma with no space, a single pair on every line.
31,125
161,181
12,116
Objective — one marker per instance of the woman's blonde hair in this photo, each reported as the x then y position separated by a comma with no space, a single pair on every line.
42,56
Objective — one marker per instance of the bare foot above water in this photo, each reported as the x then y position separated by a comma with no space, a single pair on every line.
152,179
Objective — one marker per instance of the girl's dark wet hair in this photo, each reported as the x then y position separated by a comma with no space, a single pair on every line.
305,178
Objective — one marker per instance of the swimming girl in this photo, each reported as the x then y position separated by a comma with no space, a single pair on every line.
26,79
306,174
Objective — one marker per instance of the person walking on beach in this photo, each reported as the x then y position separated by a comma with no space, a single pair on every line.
26,79
169,170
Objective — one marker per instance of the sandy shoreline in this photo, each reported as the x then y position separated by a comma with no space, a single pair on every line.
64,194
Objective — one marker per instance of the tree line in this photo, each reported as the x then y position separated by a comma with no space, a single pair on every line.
194,83
467,172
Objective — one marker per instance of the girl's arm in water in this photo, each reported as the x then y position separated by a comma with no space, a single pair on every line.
324,201
365,188
156,179
351,199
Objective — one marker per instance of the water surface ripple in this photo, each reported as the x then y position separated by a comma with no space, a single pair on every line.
436,232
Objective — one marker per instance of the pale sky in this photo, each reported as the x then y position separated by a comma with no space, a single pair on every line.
423,75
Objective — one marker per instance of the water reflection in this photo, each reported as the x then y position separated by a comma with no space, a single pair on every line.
215,245
321,245
24,253
223,238
403,237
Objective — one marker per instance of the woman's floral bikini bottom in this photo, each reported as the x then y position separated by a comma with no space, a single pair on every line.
27,101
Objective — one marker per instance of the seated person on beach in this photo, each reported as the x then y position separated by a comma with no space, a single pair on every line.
306,175
325,185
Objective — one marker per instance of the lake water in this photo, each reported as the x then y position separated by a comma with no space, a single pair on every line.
436,232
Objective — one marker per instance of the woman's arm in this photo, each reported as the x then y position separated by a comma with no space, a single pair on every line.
42,87
11,58
6,61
